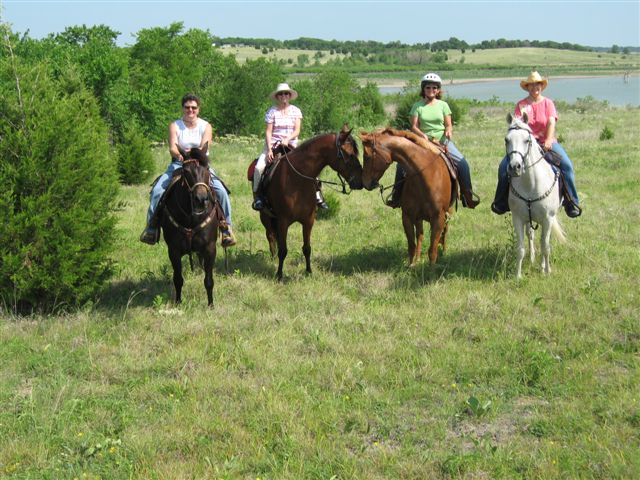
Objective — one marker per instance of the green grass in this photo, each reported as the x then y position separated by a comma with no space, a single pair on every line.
363,370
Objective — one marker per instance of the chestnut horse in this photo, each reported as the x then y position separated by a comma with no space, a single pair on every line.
190,219
291,194
428,191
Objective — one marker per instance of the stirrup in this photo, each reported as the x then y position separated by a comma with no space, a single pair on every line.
228,239
150,236
258,204
497,210
472,202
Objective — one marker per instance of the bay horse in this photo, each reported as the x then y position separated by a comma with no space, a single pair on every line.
534,192
190,219
428,192
291,194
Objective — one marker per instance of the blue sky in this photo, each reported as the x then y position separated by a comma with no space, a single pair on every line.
592,23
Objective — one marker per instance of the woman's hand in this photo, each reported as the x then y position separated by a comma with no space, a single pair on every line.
548,143
448,132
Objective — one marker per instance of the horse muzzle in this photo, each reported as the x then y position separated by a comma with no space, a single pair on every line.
515,169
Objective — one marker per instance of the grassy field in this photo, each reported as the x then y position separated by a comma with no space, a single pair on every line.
244,53
364,370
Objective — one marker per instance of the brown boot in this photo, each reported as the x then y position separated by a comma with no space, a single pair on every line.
396,195
469,199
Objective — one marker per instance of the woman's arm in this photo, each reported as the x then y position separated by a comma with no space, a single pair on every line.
207,137
550,133
294,134
415,127
173,142
267,135
448,127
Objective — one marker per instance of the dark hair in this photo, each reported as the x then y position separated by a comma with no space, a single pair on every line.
190,97
427,82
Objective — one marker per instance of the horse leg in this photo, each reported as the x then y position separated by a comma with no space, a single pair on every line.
437,226
209,260
419,227
545,247
532,246
306,243
270,231
443,236
282,230
518,226
176,263
409,233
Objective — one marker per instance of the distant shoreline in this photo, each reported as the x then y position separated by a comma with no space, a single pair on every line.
399,83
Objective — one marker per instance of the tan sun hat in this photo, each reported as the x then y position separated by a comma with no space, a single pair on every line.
284,87
534,77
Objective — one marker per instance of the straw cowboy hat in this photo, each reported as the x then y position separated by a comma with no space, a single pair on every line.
284,87
534,77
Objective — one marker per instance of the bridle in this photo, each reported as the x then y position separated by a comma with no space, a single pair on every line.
529,201
339,156
382,188
189,232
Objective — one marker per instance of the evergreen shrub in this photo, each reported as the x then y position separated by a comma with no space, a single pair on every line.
59,188
135,161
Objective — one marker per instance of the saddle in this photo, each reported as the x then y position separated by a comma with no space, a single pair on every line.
279,151
554,159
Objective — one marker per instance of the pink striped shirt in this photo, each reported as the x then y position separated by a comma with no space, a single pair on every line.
284,123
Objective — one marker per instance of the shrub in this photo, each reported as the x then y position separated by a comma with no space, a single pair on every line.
59,186
135,162
606,133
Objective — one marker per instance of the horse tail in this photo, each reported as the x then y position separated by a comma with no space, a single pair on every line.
557,231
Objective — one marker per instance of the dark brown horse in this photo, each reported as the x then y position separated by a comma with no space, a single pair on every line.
190,219
428,191
291,194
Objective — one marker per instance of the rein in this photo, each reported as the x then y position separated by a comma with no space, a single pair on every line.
340,156
402,180
530,201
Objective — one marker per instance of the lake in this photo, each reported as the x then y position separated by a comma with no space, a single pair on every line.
612,89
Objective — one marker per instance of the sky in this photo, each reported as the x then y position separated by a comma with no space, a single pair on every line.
591,23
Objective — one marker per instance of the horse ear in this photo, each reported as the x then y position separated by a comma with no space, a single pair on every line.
525,117
205,147
182,152
509,118
345,129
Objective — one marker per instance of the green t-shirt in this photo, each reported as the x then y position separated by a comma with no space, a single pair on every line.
431,117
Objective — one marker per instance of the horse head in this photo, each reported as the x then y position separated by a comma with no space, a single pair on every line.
376,159
348,164
518,143
196,178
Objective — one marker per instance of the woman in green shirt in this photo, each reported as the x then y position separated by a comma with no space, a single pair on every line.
431,118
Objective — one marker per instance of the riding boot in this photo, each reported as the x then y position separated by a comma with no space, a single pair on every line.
228,238
320,200
258,201
469,198
571,207
500,203
151,233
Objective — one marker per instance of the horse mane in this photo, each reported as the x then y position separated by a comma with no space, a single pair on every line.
412,137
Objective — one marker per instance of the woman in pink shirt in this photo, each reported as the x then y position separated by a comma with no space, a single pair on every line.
283,128
542,116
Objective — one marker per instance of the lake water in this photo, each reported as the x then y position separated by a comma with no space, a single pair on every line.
613,89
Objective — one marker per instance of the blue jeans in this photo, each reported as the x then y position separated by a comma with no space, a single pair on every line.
163,182
464,173
566,167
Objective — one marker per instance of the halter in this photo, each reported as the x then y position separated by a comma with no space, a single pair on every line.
530,201
340,156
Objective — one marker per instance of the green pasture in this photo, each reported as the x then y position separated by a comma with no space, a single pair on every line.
365,369
244,53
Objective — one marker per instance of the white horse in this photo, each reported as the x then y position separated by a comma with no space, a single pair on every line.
534,192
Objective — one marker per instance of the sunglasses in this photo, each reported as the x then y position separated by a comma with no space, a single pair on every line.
190,107
283,93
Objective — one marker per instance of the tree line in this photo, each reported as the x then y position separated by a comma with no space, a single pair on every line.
77,115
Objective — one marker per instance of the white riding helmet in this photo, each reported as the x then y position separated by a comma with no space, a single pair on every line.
431,78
